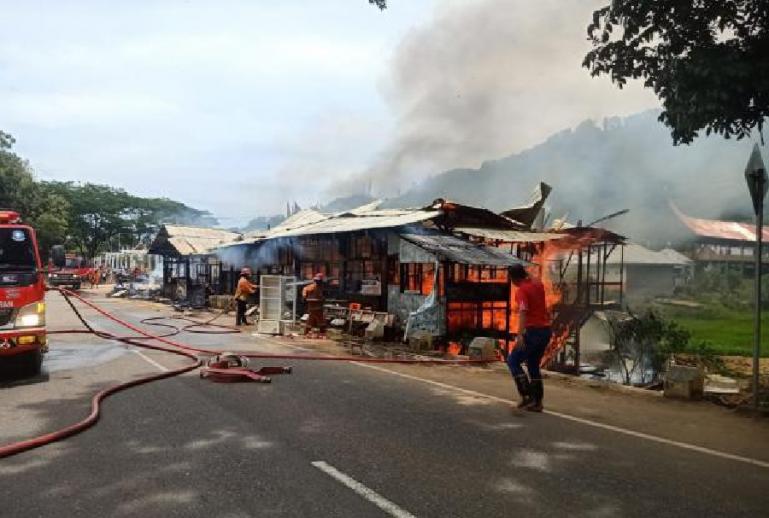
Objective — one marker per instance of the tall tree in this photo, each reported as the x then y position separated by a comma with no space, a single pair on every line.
44,210
86,217
707,60
101,215
382,4
149,214
98,213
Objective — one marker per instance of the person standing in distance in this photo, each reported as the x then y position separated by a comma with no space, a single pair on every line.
243,290
533,337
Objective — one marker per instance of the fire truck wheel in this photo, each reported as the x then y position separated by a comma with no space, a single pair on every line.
76,287
32,363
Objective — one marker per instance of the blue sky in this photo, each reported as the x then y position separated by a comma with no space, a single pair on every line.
238,106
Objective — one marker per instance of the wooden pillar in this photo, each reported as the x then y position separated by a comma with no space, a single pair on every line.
621,275
587,277
578,299
603,274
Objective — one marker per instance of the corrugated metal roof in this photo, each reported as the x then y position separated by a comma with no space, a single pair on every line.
722,230
300,219
725,230
509,236
454,249
638,254
368,207
194,240
675,255
362,220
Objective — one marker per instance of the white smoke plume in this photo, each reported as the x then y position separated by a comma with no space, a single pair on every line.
488,78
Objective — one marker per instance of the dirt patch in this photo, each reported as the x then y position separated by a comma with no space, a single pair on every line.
743,367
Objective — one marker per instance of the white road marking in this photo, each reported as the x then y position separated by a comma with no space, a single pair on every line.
581,420
150,360
369,494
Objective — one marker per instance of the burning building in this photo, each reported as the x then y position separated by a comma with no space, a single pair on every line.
442,269
190,268
572,264
392,260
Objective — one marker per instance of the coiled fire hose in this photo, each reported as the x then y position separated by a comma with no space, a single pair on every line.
177,348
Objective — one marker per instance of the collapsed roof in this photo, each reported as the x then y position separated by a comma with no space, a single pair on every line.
444,214
527,213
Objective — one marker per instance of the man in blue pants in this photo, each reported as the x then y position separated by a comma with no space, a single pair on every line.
532,339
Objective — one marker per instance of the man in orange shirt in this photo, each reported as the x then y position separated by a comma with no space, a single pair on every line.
242,292
532,339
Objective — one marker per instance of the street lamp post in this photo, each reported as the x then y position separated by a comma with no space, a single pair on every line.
755,175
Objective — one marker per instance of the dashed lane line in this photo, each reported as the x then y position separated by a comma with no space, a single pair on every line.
363,491
150,360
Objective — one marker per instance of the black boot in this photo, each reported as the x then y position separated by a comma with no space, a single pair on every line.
522,384
537,393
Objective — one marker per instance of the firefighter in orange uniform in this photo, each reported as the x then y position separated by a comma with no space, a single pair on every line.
244,289
313,295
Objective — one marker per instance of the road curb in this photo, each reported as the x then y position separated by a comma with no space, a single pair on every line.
596,384
607,385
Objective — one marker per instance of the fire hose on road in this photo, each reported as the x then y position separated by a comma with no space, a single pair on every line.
223,366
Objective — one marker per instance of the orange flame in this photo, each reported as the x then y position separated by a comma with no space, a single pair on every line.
546,268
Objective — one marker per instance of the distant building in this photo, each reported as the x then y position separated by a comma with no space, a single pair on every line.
128,260
722,244
648,273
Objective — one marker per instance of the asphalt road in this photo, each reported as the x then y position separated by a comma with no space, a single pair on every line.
332,439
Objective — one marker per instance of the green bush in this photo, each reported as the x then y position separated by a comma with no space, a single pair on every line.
643,344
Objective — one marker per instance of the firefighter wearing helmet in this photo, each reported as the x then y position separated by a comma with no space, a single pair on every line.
313,295
242,292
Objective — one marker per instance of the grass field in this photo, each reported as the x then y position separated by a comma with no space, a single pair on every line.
727,331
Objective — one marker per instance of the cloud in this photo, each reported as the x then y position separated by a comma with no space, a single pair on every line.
189,99
235,106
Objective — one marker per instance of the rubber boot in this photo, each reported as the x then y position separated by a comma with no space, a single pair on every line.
537,393
522,384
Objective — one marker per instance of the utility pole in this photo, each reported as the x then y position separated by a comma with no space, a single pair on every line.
756,177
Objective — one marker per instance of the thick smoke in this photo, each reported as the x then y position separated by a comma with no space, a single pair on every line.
503,78
597,169
488,78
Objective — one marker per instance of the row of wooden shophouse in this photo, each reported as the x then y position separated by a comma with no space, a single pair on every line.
441,269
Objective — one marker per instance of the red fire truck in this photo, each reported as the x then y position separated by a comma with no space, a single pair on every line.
71,273
22,294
